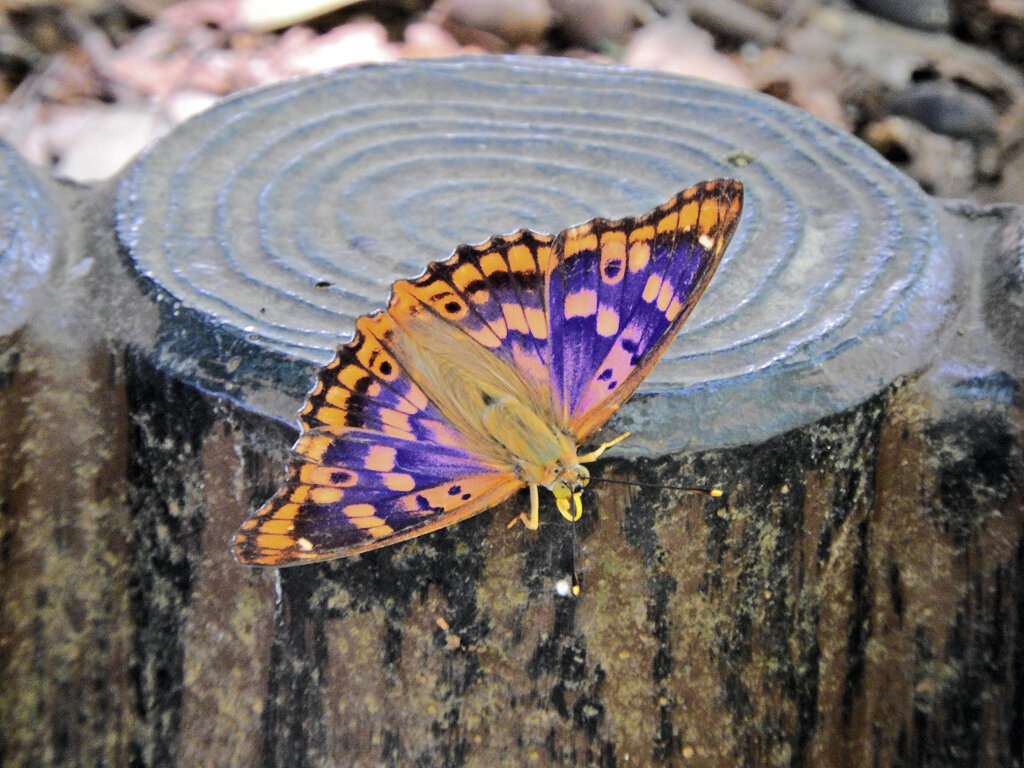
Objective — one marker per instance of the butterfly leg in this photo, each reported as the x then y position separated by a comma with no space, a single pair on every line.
592,456
532,519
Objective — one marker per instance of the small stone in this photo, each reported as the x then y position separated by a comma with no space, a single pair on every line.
595,24
514,22
680,47
946,108
920,14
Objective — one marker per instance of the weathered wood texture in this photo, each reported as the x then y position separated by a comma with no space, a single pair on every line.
856,598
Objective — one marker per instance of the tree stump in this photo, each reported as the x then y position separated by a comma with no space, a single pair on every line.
851,380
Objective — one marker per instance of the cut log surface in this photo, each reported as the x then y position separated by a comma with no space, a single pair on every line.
851,380
270,223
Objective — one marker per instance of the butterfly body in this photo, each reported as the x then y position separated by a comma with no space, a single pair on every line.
485,375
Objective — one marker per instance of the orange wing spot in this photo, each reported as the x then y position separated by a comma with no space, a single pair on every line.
379,324
688,216
537,321
665,295
381,458
520,259
327,476
486,335
395,419
299,494
358,510
337,397
287,511
492,262
313,446
449,306
481,296
397,481
380,531
259,559
350,375
641,234
321,495
333,417
528,364
709,216
416,398
613,252
607,321
277,525
366,522
465,274
249,524
544,259
734,209
583,303
673,310
274,541
317,388
515,319
580,239
639,255
651,288
669,224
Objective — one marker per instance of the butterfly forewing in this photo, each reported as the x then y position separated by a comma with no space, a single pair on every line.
548,335
492,293
622,290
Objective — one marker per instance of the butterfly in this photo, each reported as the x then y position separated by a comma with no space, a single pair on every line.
485,375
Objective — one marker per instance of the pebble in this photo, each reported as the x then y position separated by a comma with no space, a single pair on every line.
946,108
680,47
595,24
940,164
931,15
515,22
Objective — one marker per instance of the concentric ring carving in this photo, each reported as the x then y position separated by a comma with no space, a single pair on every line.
281,215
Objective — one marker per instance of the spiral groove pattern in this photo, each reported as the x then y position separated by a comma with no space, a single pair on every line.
281,215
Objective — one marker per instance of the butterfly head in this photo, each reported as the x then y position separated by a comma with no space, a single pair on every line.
567,488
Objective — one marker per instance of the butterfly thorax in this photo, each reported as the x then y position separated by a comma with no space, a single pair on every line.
496,410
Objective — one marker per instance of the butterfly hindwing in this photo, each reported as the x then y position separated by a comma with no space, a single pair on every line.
375,463
620,292
326,511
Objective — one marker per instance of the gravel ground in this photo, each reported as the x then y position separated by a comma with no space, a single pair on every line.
934,85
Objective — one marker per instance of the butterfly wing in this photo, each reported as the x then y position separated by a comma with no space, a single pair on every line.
491,294
567,326
376,464
618,292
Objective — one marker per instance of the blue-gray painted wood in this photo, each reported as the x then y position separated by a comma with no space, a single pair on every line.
30,238
265,226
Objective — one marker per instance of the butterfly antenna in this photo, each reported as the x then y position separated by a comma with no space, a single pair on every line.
712,492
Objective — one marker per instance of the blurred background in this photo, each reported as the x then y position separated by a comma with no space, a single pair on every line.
935,86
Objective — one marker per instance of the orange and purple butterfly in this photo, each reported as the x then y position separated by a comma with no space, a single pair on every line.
485,376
